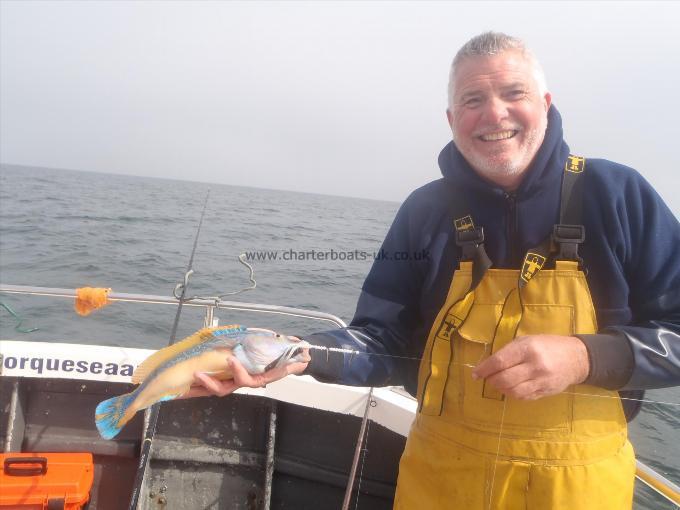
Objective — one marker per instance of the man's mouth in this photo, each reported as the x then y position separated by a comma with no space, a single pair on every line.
498,135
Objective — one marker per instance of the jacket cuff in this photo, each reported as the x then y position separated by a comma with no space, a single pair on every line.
611,359
325,366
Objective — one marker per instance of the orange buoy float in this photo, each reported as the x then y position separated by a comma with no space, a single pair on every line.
91,298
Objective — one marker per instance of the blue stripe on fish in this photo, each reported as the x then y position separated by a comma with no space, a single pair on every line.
194,351
229,331
109,413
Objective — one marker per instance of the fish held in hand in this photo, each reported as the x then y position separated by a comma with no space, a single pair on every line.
169,372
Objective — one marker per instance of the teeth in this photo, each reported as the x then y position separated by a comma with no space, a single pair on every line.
501,135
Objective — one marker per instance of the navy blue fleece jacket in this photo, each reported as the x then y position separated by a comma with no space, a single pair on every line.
631,254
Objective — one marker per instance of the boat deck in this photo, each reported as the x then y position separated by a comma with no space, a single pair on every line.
208,452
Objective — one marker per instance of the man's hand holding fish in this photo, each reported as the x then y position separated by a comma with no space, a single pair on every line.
207,386
212,361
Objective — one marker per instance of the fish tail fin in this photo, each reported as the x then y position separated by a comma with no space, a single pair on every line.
112,414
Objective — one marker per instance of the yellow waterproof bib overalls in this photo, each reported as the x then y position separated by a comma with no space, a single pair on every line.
565,452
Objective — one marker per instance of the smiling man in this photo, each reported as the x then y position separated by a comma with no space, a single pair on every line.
498,109
552,287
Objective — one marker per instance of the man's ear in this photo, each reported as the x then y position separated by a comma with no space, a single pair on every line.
449,117
548,100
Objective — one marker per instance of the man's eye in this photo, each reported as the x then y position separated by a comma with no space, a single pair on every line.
516,94
472,102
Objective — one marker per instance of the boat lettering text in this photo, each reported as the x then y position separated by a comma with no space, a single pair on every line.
67,365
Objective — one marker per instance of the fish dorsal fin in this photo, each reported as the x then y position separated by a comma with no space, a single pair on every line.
167,353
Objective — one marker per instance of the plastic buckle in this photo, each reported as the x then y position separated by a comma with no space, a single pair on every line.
568,237
470,240
569,234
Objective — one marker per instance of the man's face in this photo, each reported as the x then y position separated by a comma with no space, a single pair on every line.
499,116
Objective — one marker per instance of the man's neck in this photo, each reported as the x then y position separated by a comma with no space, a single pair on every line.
507,182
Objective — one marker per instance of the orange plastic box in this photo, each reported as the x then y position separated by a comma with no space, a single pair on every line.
37,481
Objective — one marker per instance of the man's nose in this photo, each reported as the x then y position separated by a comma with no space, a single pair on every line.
496,110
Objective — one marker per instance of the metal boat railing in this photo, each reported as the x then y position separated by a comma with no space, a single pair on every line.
210,304
657,482
646,474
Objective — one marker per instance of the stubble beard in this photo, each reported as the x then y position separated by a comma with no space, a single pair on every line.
496,168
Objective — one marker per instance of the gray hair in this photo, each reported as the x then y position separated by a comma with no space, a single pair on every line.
493,43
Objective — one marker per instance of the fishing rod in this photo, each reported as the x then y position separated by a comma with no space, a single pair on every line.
153,412
363,432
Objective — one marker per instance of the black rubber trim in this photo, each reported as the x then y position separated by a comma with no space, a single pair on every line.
611,360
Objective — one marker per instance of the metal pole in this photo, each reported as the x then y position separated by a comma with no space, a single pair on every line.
658,482
357,453
167,300
209,317
269,463
16,420
154,410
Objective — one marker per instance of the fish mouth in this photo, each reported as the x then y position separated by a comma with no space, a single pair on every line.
289,353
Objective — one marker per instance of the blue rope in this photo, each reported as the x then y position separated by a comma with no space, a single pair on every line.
18,319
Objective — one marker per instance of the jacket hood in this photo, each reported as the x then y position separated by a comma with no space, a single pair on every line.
546,166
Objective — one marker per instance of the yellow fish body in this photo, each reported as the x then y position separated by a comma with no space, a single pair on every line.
169,372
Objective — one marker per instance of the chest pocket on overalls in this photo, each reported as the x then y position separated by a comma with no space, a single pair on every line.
502,306
482,334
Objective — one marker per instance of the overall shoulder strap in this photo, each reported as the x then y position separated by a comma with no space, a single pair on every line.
566,236
469,237
569,232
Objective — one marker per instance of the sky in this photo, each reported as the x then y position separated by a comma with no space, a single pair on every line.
342,98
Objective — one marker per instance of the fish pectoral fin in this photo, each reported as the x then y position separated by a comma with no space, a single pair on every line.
222,375
167,353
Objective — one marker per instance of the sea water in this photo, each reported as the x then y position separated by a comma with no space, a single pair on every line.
69,229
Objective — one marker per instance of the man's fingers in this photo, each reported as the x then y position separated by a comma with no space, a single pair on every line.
207,381
274,374
209,386
510,377
215,387
297,368
305,358
196,391
243,378
509,356
527,390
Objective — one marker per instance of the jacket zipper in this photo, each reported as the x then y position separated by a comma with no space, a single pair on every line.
511,228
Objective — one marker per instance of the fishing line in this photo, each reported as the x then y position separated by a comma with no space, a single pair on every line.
353,353
502,420
645,400
145,454
498,451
